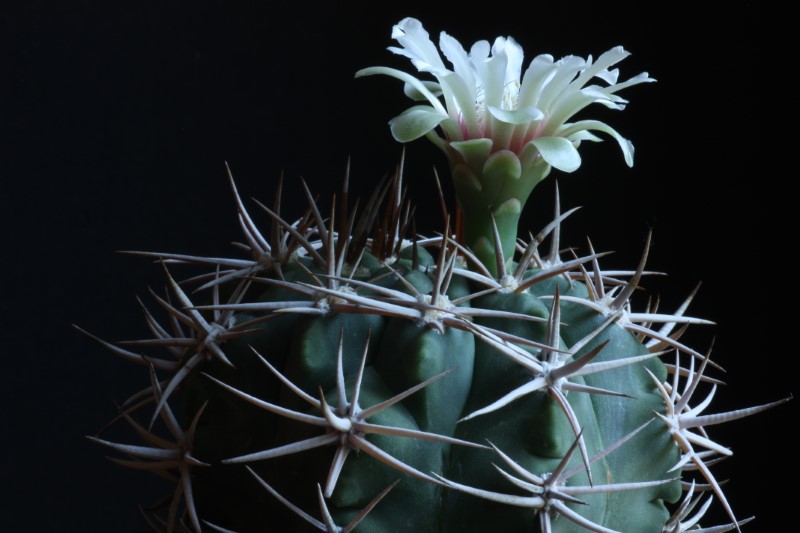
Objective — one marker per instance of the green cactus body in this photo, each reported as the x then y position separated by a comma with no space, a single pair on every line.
342,378
454,344
434,378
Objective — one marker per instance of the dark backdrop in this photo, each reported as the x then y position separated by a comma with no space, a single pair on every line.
117,118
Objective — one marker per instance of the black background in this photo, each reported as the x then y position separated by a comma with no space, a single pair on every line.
117,118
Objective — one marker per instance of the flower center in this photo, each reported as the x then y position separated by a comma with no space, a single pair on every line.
510,94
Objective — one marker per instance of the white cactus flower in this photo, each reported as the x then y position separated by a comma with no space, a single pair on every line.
486,100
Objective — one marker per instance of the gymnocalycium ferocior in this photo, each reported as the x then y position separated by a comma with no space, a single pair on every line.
345,374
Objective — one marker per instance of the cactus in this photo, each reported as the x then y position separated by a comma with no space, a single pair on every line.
349,374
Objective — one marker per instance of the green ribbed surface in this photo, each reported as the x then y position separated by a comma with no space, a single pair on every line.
532,430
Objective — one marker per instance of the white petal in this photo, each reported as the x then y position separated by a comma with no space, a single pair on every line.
606,59
417,46
570,102
414,123
625,145
608,76
643,77
456,54
558,152
560,84
585,136
491,76
479,52
537,75
407,78
513,51
526,115
412,92
599,95
460,101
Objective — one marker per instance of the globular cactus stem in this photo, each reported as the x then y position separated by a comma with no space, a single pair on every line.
346,372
